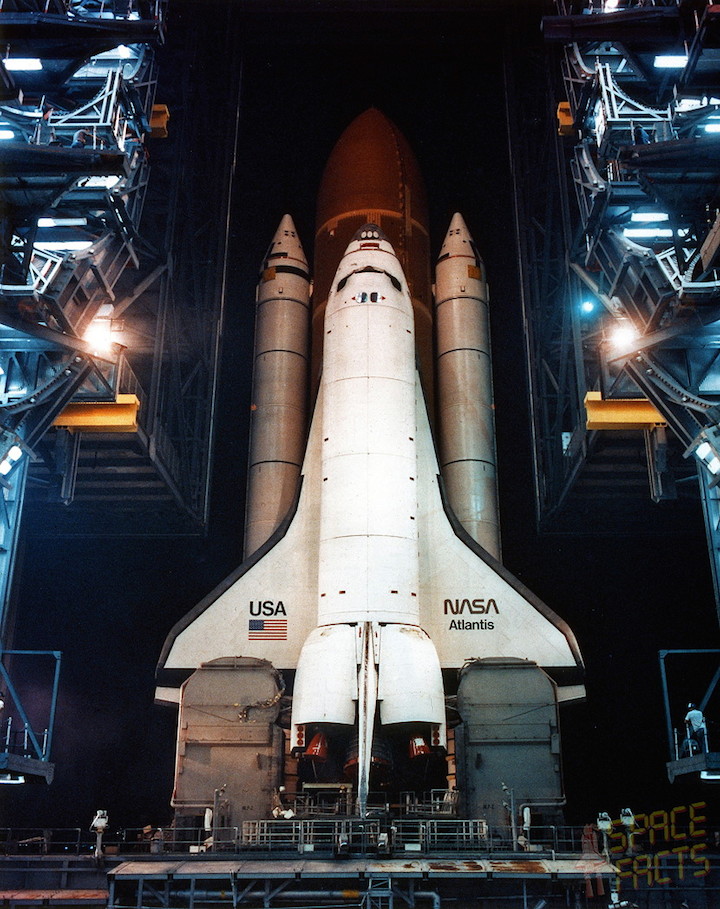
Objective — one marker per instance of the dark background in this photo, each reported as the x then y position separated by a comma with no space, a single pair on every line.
108,604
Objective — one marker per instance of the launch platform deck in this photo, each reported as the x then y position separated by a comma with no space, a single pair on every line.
164,882
572,867
55,897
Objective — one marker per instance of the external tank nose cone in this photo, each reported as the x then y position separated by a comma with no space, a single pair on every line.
372,176
372,167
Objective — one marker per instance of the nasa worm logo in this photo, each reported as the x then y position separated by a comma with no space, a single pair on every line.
473,607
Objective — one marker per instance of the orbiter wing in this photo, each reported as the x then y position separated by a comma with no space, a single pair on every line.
471,606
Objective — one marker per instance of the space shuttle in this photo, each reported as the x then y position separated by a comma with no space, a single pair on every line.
372,572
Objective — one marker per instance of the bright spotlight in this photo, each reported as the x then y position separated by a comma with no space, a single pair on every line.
649,216
703,450
587,306
647,233
622,336
706,449
62,222
99,336
22,64
63,245
670,61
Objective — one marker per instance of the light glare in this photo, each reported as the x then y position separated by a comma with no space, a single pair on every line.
623,335
22,64
99,336
647,232
703,450
62,222
64,245
670,61
103,181
649,216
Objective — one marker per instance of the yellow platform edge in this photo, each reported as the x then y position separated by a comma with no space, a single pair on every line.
620,413
119,415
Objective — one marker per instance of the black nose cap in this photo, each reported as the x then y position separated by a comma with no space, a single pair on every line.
370,232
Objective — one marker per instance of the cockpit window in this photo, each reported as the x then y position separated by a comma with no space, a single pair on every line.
380,271
364,296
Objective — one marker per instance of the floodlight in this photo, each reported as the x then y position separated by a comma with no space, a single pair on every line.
22,64
670,61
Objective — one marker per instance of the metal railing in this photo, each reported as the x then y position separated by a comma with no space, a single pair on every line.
318,837
436,802
44,841
15,739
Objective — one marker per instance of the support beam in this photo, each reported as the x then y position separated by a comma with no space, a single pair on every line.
620,413
120,415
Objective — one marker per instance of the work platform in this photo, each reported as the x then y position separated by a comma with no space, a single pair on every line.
12,898
309,869
21,765
706,764
268,879
362,881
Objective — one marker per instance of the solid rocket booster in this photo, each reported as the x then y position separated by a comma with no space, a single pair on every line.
279,387
466,413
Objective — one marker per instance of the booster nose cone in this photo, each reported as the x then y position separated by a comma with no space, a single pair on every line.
458,242
285,249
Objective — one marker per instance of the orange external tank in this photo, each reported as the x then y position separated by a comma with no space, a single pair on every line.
372,176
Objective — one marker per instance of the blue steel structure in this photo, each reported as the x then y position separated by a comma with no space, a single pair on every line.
99,289
25,751
636,144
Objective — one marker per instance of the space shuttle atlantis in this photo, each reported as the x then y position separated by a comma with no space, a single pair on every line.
372,561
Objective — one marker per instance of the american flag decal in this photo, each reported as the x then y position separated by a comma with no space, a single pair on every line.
267,630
